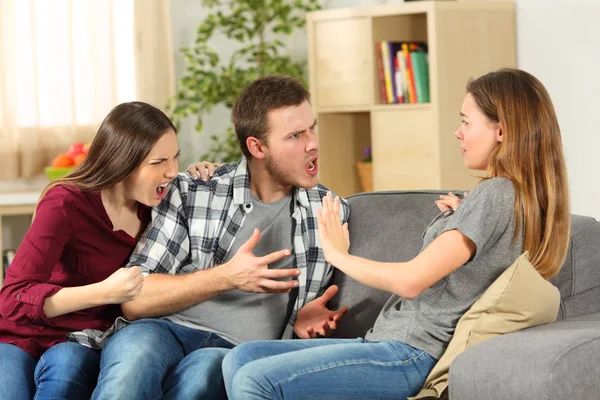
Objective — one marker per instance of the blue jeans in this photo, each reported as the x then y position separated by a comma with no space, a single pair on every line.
65,371
154,358
325,369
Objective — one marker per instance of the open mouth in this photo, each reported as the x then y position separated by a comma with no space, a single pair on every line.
161,190
312,167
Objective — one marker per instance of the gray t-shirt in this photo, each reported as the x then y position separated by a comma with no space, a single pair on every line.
241,316
427,322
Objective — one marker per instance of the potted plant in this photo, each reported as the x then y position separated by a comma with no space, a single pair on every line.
365,170
258,26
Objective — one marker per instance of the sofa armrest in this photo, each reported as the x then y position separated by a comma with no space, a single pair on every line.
555,362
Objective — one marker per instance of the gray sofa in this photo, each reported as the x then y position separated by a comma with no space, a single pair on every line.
556,361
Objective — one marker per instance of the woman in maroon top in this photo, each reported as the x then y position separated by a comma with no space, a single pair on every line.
67,275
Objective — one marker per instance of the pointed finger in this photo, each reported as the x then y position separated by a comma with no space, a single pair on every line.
275,256
328,294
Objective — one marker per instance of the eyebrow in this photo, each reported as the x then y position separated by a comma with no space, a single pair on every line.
464,115
299,132
165,159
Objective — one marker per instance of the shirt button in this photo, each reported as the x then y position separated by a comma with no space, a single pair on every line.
248,205
18,296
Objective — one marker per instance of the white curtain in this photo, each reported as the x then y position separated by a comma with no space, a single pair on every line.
65,63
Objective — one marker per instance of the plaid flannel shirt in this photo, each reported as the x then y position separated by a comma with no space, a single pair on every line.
195,226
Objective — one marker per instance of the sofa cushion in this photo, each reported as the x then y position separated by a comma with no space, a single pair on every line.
579,279
520,298
384,226
553,362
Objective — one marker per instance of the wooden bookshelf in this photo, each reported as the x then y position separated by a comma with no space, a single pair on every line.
413,145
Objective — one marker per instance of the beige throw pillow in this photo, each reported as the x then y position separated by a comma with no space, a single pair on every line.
520,298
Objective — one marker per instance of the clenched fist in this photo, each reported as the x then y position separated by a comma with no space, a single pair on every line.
123,285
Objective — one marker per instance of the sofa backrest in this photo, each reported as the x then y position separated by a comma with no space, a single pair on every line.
388,226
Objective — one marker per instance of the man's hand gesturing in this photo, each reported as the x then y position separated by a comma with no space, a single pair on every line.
249,273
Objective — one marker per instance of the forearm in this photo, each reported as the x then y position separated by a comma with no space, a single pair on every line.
390,277
164,294
445,254
71,299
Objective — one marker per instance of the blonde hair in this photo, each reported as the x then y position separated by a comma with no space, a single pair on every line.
531,155
123,141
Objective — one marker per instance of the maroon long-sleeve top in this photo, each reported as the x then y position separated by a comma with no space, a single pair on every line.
70,243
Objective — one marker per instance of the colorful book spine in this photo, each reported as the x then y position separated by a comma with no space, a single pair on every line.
380,75
387,73
421,74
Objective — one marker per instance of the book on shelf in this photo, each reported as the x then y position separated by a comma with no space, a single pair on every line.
403,72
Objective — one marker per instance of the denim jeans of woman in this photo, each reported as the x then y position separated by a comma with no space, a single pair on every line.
65,371
325,369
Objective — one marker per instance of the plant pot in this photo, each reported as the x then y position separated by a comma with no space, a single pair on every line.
365,175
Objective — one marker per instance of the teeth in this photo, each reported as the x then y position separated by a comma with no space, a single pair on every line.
311,165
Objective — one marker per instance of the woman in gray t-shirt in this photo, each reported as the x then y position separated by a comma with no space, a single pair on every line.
509,130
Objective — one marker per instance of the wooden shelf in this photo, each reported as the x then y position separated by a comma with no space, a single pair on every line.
413,145
401,107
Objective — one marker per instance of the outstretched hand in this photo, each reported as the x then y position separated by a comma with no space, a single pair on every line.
335,239
315,319
250,273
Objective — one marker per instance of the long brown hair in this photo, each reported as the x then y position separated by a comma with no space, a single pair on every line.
122,142
531,155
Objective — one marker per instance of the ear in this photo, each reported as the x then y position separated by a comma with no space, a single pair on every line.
256,147
499,131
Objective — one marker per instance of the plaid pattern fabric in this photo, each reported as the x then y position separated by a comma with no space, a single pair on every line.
195,225
94,338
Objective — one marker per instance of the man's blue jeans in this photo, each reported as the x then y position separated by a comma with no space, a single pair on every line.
154,359
325,369
65,371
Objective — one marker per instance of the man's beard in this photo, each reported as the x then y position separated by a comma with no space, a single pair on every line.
284,177
278,174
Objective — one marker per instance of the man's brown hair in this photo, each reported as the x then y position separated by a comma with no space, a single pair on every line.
252,107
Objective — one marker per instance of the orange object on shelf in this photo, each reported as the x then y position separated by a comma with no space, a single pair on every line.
79,159
62,161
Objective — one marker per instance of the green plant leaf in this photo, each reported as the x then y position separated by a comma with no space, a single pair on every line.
259,25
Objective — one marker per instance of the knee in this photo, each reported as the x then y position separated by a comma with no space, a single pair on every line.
237,358
138,351
71,356
250,383
208,360
134,344
197,376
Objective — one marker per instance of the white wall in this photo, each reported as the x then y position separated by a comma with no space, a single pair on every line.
557,40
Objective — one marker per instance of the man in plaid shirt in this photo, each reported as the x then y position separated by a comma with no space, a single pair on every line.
232,259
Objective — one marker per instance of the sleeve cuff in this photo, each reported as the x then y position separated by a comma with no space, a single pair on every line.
35,298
